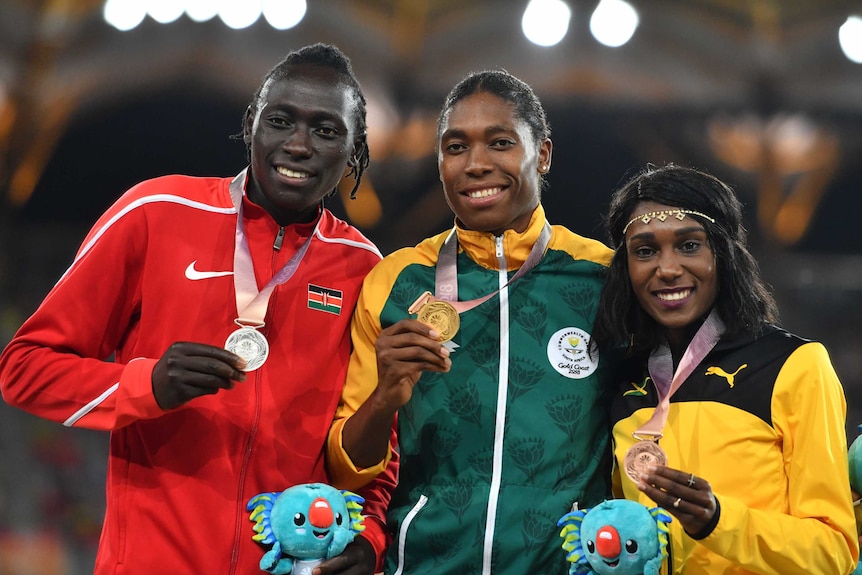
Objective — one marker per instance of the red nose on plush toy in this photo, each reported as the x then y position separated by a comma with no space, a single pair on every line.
608,542
320,513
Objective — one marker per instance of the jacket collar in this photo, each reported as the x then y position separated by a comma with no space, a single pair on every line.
481,246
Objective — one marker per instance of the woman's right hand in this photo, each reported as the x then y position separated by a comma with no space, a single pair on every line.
188,370
405,350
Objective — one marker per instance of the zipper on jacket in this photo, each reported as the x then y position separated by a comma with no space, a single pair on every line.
239,527
279,239
500,418
402,533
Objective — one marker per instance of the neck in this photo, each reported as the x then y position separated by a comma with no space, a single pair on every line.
678,340
283,217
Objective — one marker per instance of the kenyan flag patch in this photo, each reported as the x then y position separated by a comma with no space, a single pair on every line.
324,299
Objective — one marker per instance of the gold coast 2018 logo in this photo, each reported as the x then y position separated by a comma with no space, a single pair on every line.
567,352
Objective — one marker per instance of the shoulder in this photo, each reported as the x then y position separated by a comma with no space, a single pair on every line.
580,247
334,230
167,196
206,193
422,254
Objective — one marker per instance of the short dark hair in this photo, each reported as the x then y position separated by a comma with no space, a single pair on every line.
325,56
504,85
744,302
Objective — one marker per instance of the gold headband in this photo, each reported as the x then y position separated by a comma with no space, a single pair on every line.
662,215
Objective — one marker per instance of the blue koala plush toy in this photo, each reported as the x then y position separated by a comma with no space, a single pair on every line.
305,524
616,537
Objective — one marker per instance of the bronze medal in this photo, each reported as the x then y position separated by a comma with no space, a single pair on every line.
640,456
440,315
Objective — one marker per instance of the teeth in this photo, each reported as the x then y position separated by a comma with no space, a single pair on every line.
675,296
483,193
291,173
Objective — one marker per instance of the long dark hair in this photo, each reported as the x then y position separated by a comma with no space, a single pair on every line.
744,302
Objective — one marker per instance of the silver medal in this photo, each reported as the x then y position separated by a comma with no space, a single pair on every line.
249,344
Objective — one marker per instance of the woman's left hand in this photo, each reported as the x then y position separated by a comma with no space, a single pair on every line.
684,495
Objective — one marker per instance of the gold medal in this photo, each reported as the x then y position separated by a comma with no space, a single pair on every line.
439,314
640,456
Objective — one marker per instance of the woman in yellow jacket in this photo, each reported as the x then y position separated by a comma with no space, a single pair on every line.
732,424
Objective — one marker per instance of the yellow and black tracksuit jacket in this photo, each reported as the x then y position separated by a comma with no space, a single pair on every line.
762,420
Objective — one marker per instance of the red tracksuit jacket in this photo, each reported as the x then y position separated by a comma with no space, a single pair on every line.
178,481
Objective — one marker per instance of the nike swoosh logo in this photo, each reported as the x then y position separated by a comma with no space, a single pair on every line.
193,274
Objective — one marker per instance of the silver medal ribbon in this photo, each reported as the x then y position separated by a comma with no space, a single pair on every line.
251,304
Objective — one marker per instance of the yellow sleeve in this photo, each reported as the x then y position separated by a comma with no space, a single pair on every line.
817,533
361,381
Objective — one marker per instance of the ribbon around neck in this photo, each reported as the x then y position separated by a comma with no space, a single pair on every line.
446,274
251,304
660,365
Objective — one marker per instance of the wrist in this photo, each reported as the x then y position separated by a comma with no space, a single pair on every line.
709,527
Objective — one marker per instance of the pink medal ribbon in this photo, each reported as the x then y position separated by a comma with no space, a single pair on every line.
660,364
442,309
251,304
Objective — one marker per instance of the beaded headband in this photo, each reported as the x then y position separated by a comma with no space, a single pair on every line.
662,215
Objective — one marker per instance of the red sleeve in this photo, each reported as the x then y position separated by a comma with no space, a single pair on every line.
57,364
377,495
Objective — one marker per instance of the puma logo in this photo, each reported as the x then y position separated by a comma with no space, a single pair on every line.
715,370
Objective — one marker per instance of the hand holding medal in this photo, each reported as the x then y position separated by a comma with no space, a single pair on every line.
188,370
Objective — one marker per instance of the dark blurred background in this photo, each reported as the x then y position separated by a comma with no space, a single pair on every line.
759,92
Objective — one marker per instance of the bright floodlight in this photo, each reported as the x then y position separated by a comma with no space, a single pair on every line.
164,11
284,14
201,10
238,14
546,22
614,22
124,14
850,38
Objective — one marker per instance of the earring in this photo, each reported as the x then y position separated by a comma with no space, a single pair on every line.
543,168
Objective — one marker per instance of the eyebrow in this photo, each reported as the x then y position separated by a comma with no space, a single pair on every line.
314,114
490,130
678,232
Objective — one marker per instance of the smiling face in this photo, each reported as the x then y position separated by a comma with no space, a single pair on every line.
301,137
490,164
672,271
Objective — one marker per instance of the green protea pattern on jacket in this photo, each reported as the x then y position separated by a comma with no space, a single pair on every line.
555,449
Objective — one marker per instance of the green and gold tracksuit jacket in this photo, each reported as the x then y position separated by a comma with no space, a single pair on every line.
495,451
762,420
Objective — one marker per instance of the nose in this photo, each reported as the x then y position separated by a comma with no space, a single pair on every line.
668,267
478,162
298,143
608,542
320,513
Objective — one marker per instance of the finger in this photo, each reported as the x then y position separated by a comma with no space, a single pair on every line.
411,326
337,564
413,349
217,353
693,513
674,475
408,339
687,485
